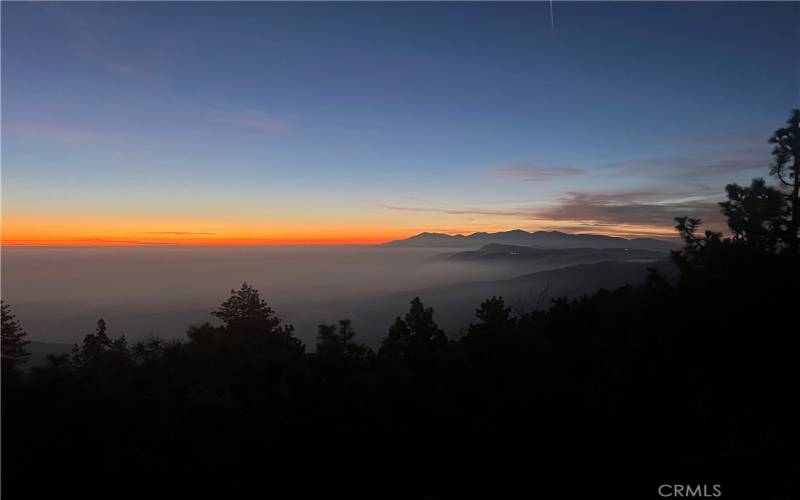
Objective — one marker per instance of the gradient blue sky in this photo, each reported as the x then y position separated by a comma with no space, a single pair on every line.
259,122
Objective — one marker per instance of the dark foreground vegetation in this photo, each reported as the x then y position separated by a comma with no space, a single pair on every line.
685,381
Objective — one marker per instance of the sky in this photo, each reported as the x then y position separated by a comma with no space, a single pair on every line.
260,123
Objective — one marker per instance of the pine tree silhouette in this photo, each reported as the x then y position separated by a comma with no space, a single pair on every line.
14,340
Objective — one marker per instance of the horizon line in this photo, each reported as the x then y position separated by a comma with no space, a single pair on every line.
236,242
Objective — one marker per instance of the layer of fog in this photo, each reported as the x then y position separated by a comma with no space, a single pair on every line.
59,293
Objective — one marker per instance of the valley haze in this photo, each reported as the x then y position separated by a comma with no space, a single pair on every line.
59,292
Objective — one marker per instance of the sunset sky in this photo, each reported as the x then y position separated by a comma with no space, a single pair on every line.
253,123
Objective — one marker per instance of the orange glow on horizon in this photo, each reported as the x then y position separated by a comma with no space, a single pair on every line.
89,242
98,232
102,233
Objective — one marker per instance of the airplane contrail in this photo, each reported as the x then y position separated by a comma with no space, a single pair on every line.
552,21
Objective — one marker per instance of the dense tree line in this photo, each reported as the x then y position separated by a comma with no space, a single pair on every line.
685,380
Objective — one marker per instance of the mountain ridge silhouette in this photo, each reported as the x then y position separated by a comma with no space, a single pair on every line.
541,239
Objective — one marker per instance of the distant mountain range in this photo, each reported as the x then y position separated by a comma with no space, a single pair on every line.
538,239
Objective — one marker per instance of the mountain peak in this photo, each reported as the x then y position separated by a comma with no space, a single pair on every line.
538,239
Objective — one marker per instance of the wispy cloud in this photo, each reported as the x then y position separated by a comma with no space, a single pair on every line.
456,211
530,172
648,208
739,140
635,212
686,167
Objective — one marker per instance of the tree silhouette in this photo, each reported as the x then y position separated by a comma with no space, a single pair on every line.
398,341
13,340
249,327
94,345
786,167
493,315
155,349
489,337
336,341
414,336
755,214
761,218
149,350
246,313
98,350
